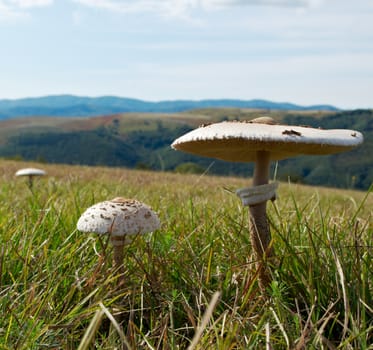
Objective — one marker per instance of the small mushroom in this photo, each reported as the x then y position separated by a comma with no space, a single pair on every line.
30,173
261,141
120,218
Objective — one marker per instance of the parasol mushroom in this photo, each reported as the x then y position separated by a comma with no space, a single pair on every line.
30,173
120,218
260,141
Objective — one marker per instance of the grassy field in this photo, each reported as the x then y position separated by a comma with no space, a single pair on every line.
192,284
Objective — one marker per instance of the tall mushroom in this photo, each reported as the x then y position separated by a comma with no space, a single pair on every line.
260,141
120,218
30,173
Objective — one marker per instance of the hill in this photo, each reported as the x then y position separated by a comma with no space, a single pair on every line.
142,140
72,106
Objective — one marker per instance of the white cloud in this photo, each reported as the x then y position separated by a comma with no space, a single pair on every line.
164,8
7,12
30,3
180,7
15,9
128,6
228,3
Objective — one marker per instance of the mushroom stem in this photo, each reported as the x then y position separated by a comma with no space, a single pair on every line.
118,243
30,181
259,227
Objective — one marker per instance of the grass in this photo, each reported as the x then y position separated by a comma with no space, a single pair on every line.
190,285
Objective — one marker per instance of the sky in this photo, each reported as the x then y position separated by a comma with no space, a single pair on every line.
301,51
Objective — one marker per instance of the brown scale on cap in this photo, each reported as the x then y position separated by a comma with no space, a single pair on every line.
105,217
291,132
204,125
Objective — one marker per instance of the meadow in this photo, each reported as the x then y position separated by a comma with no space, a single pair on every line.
192,284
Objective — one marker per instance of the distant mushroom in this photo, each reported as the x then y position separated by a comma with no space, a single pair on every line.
120,218
30,173
260,141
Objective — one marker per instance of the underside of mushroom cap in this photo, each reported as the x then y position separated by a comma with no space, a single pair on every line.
241,141
119,217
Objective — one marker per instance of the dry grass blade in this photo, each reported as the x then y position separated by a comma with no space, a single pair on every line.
205,319
280,325
116,326
304,338
91,330
344,293
321,338
268,336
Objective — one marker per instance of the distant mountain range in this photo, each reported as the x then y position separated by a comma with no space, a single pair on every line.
73,106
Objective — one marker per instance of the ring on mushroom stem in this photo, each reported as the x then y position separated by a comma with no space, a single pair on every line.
257,194
261,141
122,219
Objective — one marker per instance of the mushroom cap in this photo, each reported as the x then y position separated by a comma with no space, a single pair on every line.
30,172
119,217
240,141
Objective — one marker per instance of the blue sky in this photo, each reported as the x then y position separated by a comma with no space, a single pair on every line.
300,51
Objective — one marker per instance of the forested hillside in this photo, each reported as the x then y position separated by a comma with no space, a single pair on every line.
143,141
72,106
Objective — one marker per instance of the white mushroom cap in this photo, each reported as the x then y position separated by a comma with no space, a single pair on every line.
240,141
30,172
119,217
